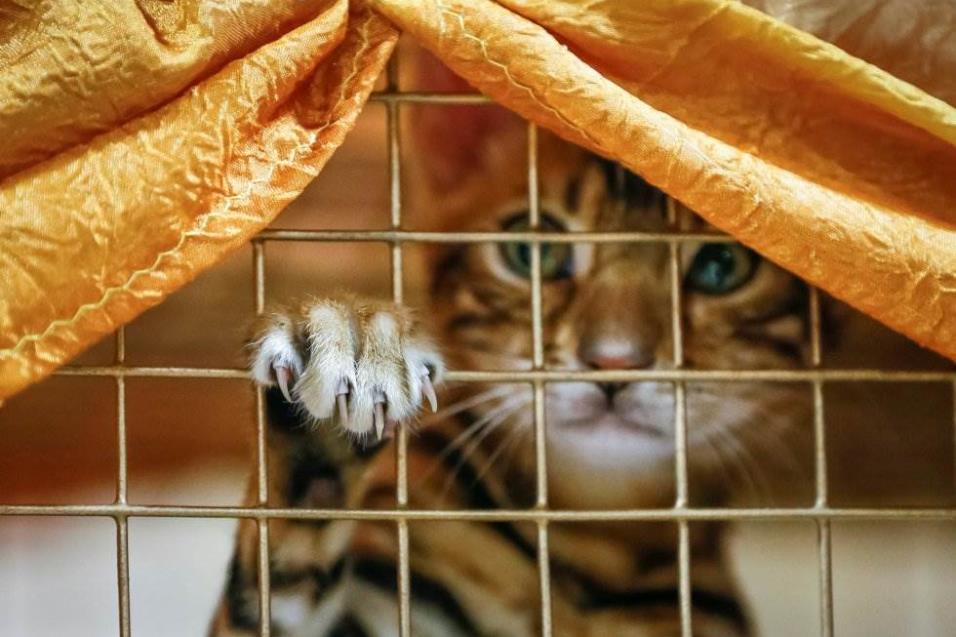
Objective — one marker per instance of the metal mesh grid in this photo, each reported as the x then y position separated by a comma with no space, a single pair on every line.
682,514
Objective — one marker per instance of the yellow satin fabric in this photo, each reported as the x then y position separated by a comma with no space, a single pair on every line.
144,140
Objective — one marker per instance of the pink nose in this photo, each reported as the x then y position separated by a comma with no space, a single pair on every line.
597,357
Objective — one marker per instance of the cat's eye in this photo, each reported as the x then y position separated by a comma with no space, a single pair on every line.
556,258
721,268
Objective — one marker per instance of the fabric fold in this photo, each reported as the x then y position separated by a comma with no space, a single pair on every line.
73,70
896,266
99,233
772,91
145,140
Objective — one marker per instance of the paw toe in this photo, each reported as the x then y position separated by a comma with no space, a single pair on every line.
275,357
361,365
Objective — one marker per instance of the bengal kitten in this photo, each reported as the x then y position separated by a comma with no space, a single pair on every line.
341,371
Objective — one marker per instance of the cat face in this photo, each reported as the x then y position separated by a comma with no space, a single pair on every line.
607,306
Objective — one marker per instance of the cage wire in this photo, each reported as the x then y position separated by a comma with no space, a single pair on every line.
681,514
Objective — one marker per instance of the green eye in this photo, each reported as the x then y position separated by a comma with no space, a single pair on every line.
556,258
721,268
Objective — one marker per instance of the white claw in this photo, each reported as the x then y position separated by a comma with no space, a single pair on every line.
343,387
341,399
343,405
429,390
283,376
378,418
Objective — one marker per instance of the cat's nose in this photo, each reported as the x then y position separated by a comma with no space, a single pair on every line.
615,355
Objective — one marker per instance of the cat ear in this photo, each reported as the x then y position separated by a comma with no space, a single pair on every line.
456,144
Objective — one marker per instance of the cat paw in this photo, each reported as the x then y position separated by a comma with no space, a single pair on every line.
366,365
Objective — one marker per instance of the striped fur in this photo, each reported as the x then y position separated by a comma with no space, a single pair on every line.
609,446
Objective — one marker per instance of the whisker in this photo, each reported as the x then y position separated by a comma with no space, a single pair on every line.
721,462
500,394
490,427
469,402
764,492
501,416
786,457
473,429
784,451
736,460
767,438
507,443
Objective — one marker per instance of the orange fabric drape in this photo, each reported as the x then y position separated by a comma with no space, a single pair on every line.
135,162
108,227
824,164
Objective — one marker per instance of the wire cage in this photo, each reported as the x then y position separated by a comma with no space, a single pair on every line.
396,237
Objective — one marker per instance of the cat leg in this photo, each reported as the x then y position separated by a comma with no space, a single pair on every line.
339,374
